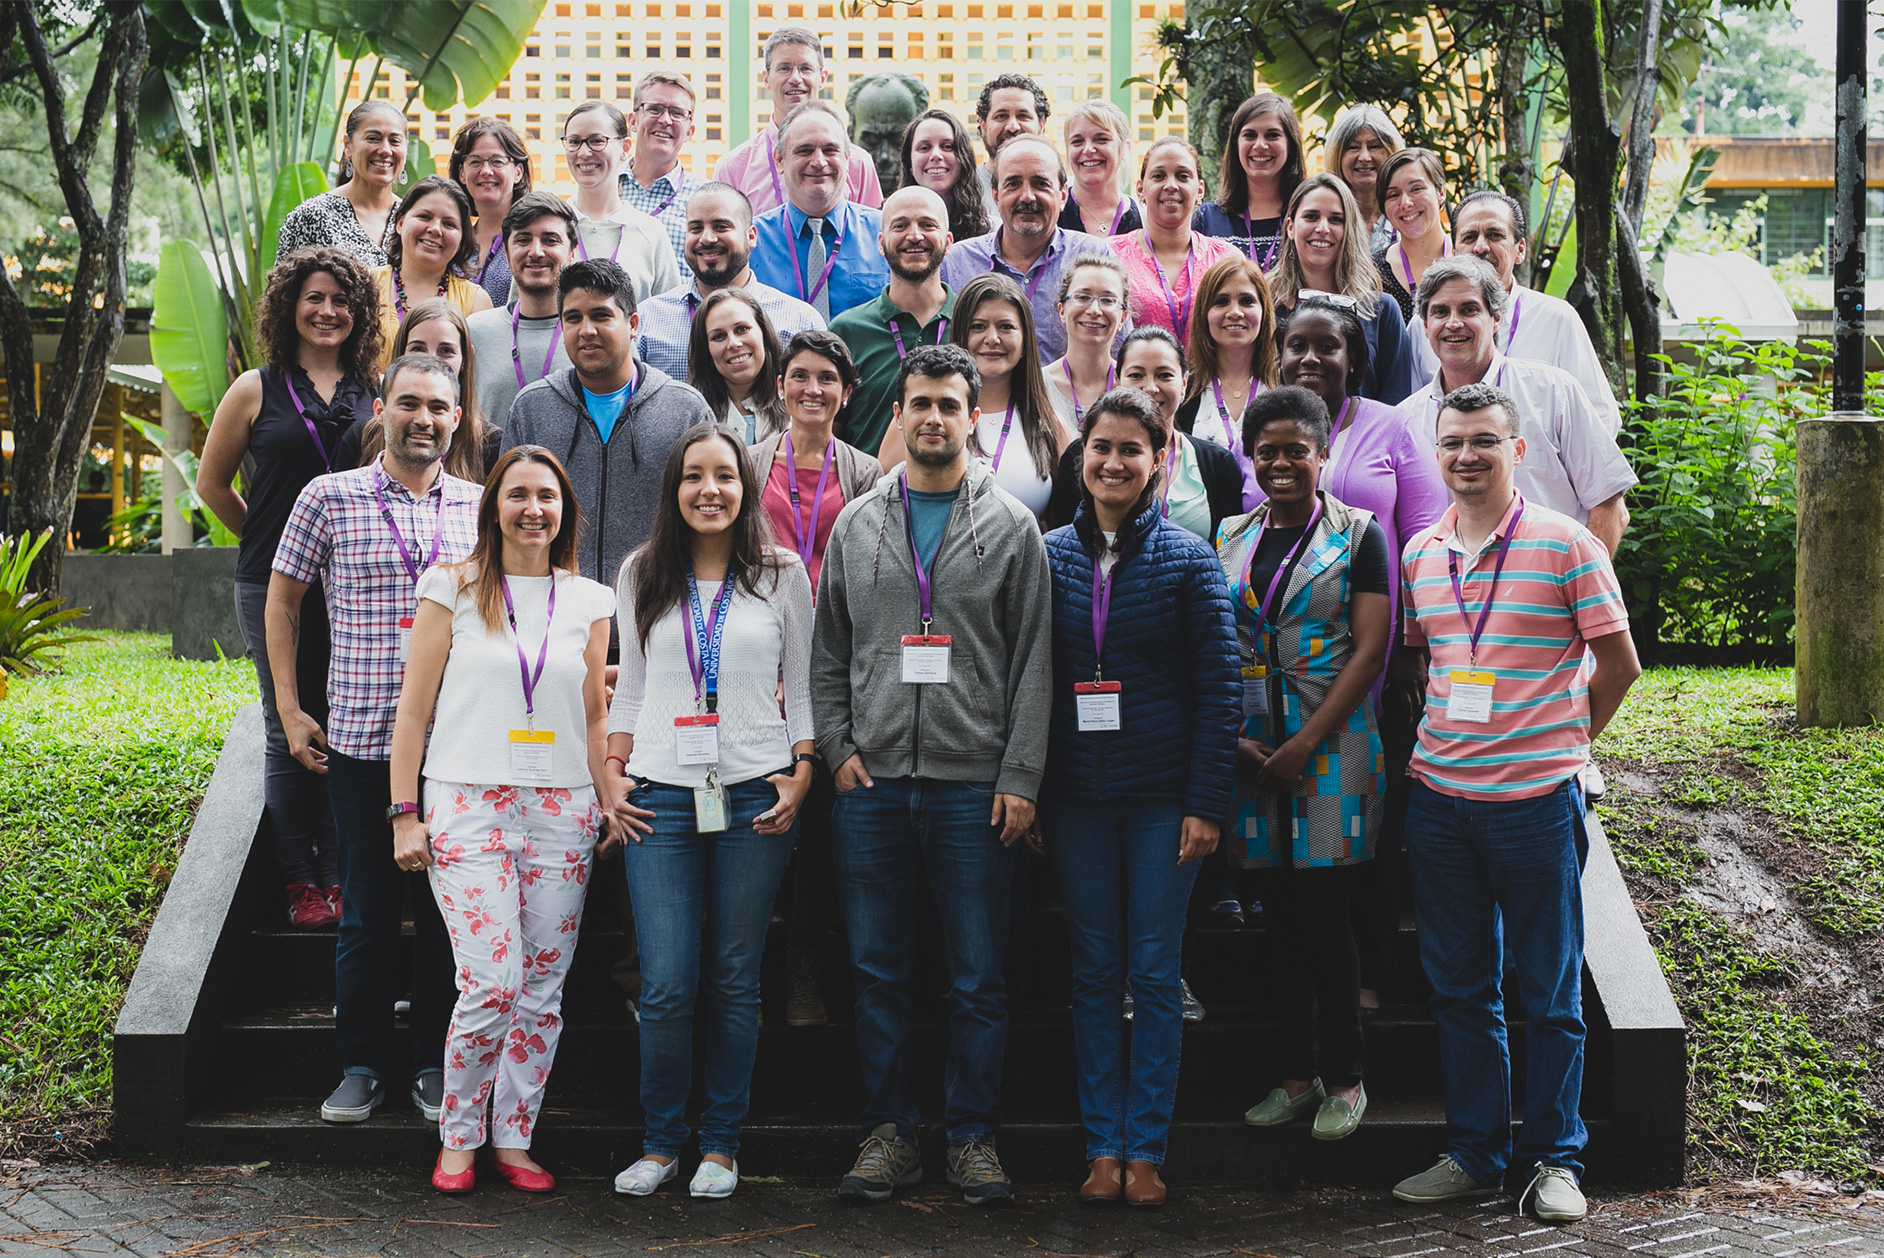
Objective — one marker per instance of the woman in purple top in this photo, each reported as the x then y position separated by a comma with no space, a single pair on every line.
1377,462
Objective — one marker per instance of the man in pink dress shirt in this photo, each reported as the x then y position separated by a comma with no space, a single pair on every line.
794,74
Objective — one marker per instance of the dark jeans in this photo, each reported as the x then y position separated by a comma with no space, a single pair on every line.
1318,976
1475,862
374,896
1378,882
886,841
814,883
1125,894
705,901
296,798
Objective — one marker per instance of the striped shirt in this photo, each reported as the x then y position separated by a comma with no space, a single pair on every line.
1557,593
335,535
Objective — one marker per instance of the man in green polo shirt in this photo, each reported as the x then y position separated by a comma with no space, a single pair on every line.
913,310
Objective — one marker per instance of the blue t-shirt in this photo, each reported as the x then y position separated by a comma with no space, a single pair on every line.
606,408
928,517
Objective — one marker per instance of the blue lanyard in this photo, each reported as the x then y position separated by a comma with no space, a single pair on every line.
703,659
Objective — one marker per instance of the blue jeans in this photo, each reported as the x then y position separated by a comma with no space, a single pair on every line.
1473,863
374,896
1125,895
295,796
886,842
691,889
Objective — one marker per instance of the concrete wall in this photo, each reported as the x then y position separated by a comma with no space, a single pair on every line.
189,594
130,592
202,604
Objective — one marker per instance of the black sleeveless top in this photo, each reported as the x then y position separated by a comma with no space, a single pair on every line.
284,458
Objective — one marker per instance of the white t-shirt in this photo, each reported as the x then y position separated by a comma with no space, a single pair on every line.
765,637
1017,473
480,698
639,244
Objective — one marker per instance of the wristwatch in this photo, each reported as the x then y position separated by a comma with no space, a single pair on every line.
805,757
394,812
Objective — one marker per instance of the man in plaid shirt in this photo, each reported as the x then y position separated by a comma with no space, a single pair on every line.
655,182
367,535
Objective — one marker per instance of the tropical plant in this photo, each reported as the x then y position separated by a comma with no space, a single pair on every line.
32,626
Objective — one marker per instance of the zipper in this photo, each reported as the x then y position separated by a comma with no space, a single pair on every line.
601,509
915,733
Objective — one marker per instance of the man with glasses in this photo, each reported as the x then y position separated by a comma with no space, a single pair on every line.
794,74
1574,467
1515,629
655,183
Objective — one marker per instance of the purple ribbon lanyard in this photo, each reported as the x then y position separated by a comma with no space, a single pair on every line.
1007,424
582,246
798,271
709,635
1517,312
1249,233
1475,632
1101,613
941,334
807,537
1170,473
516,355
497,244
1118,216
923,586
385,513
1111,377
542,656
1288,560
1223,414
327,460
771,158
1180,320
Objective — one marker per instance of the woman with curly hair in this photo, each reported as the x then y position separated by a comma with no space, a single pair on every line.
432,244
939,155
319,327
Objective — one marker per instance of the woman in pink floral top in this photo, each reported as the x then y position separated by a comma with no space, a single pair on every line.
1164,259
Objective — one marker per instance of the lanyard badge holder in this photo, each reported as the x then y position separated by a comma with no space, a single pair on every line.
532,750
697,737
1258,675
1469,698
1096,702
925,654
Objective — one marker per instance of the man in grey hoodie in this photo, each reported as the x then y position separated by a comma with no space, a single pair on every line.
931,674
610,419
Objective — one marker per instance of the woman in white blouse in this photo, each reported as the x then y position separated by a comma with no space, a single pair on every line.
708,775
508,652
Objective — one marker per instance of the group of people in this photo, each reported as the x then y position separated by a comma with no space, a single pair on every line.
894,536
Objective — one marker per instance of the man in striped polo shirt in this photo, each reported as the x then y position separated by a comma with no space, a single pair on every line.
1503,600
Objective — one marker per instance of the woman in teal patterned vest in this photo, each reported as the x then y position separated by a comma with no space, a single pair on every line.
1309,577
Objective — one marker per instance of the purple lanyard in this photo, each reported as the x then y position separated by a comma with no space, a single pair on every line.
542,656
1101,613
807,537
1263,608
704,663
1170,474
497,245
941,334
675,196
516,357
582,246
1118,216
1249,234
1517,312
1007,424
1039,269
798,273
1412,281
399,291
1223,415
1475,632
1180,316
1111,377
924,589
312,433
778,190
385,513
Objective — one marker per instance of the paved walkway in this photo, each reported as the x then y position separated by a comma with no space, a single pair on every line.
212,1212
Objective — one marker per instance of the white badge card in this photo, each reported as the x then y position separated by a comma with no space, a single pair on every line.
926,658
1097,703
531,754
697,740
1256,691
710,808
405,637
1471,697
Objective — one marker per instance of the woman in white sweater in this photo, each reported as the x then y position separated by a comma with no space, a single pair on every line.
507,652
709,776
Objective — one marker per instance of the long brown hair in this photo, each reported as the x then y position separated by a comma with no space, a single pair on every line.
484,568
968,213
704,374
661,563
1027,387
467,238
274,321
465,457
1232,180
1202,359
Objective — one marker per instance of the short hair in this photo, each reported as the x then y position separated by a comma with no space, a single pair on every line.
460,199
824,344
615,116
790,35
1286,402
1354,120
985,102
1429,164
1126,403
938,362
812,106
1463,266
1510,203
917,89
476,129
719,188
598,275
424,364
655,78
1469,399
531,206
1153,333
994,162
1165,141
1107,261
1113,119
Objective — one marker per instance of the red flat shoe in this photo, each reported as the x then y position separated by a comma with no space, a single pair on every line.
463,1181
523,1178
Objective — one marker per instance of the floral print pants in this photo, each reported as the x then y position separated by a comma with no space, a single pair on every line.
510,868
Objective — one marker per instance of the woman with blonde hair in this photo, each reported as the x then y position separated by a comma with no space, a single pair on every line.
431,245
1231,357
1262,162
1359,144
1098,152
436,327
1164,257
1412,192
1320,254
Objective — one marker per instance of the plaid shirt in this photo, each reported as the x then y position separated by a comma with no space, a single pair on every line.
667,322
666,200
335,535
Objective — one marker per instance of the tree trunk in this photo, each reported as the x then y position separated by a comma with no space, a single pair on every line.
50,432
1645,318
1638,298
1591,158
1516,174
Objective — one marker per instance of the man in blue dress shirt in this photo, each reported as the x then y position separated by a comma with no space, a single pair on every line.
820,246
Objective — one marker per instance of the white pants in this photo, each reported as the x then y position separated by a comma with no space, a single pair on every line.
510,868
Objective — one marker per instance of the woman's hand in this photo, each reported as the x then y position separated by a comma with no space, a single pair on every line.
792,789
412,842
1283,768
631,820
1197,839
1252,754
611,832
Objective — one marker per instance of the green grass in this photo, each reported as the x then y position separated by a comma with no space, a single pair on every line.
102,770
1783,1078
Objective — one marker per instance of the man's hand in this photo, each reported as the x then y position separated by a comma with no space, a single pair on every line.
852,774
305,740
1015,816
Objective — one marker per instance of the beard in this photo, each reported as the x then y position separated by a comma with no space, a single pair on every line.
719,272
915,275
944,455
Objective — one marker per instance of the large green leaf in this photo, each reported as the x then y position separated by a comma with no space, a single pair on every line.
292,186
458,50
189,334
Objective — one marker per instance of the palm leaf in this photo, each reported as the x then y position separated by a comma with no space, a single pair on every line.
292,186
458,50
189,333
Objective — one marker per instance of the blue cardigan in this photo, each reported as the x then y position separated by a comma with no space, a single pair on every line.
1171,642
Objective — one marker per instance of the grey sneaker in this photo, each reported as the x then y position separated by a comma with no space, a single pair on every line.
428,1094
354,1100
1554,1195
885,1162
1193,1007
1446,1181
975,1169
1279,1107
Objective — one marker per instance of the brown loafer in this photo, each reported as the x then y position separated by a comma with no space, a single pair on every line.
1105,1183
1143,1187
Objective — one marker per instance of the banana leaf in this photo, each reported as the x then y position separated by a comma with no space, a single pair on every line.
189,333
457,50
292,186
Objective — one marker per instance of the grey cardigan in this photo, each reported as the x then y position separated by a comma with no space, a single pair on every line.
856,471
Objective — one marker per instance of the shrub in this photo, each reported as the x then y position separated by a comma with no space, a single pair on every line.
32,626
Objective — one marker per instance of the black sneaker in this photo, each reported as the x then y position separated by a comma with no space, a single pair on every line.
428,1094
1225,914
886,1162
356,1098
975,1169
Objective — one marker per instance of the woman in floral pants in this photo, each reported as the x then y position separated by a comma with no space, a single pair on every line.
507,652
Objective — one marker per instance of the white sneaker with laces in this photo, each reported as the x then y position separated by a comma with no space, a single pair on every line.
1554,1196
714,1180
645,1176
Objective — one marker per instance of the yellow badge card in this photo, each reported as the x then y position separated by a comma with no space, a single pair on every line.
531,753
1471,696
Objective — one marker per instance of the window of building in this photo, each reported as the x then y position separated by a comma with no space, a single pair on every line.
532,50
945,87
1004,46
1063,93
562,52
441,133
624,86
683,51
562,87
562,168
974,47
714,88
532,86
624,10
592,87
855,49
713,52
944,46
887,52
562,10
624,51
533,126
592,46
503,91
654,49
1036,45
683,10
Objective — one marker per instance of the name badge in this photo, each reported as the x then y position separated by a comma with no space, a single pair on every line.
530,754
697,740
710,809
405,637
1471,697
926,658
1256,691
1097,703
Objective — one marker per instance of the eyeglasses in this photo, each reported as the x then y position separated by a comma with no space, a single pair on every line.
675,112
1105,301
475,165
1480,444
594,143
1339,299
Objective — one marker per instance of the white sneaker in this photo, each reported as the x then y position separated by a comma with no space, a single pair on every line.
645,1176
714,1180
1553,1195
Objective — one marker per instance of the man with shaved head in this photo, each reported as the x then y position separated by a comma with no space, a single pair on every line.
913,309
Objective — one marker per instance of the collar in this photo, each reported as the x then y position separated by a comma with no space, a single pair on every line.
838,218
1447,529
390,482
885,309
1055,243
511,308
1437,391
675,177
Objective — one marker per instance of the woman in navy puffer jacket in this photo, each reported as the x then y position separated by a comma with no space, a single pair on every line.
1140,770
